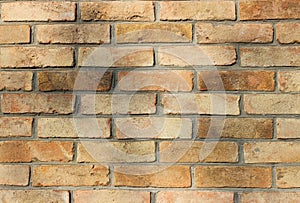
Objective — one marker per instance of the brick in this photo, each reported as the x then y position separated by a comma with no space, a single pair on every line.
30,151
194,196
270,56
154,32
73,127
73,33
233,176
288,128
174,80
272,152
35,57
275,197
74,80
269,9
208,33
180,10
236,80
196,55
107,196
14,34
245,128
37,103
153,176
288,32
118,11
116,56
288,177
220,104
38,11
197,151
272,103
116,151
153,127
70,175
17,175
118,104
15,127
14,81
289,81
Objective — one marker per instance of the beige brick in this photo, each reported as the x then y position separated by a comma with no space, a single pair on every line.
201,10
196,55
288,32
289,81
154,32
15,126
70,175
233,176
35,57
220,104
13,34
118,10
272,103
288,177
274,197
73,33
174,80
288,128
17,175
14,81
38,11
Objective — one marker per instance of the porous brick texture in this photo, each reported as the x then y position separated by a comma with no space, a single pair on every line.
167,101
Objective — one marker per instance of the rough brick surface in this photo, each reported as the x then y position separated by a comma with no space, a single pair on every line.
15,127
288,128
14,175
288,32
11,34
13,81
289,81
288,177
275,197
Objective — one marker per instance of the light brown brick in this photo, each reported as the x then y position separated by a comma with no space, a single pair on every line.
35,57
38,11
73,127
17,175
73,33
15,126
288,128
220,104
118,104
272,103
196,55
289,81
288,32
174,80
288,177
270,56
274,197
118,11
233,176
70,175
236,80
240,32
197,151
153,176
14,81
13,34
154,32
197,10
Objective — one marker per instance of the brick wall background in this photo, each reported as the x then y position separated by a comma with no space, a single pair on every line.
150,102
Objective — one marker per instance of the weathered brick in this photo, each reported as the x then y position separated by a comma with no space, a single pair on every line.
118,10
246,128
240,32
15,127
288,128
70,175
13,81
29,151
35,57
73,33
274,197
37,103
196,151
288,176
13,34
153,176
14,175
270,56
220,104
272,103
74,127
154,32
174,80
153,127
116,56
288,32
289,81
38,11
233,176
236,80
196,55
118,104
74,80
196,10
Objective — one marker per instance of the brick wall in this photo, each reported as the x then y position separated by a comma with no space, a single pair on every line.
150,102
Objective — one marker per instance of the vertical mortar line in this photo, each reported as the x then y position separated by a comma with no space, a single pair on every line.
194,35
274,176
113,128
192,171
237,197
33,36
194,128
241,105
157,150
241,153
35,81
274,33
238,56
153,197
159,106
237,10
156,11
113,34
274,128
34,128
78,16
276,80
75,154
71,196
76,104
111,175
